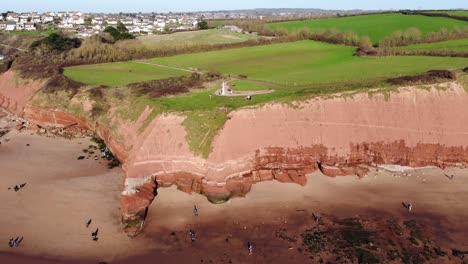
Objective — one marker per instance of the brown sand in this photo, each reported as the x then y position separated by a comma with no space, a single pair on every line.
62,193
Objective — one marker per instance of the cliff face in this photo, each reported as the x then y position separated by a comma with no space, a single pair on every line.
339,136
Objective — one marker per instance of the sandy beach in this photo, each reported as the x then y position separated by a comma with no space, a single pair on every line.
62,193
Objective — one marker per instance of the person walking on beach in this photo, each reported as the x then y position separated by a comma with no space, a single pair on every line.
410,206
250,248
192,235
88,223
316,217
10,242
94,235
195,210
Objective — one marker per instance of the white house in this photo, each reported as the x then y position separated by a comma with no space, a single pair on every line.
1,57
36,19
97,21
112,21
160,24
47,19
12,17
135,30
127,22
3,25
76,20
10,25
148,28
29,26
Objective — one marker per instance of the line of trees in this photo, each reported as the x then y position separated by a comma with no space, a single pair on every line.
398,51
429,14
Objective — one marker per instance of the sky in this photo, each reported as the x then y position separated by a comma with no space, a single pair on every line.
115,6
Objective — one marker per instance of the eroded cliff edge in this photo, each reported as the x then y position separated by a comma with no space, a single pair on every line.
339,135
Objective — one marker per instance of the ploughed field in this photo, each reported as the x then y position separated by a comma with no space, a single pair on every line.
377,27
202,37
459,45
287,65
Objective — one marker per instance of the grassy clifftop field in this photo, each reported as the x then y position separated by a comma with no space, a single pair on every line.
377,27
289,64
307,63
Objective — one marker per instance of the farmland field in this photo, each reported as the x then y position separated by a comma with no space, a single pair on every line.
460,45
376,27
307,63
119,73
289,64
203,37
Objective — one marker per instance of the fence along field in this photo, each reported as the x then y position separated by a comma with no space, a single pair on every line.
377,27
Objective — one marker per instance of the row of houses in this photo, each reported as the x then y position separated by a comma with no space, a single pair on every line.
89,24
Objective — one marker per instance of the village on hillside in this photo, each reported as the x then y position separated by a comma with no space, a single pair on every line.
88,24
85,25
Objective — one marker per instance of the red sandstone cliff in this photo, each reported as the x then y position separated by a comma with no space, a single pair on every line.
339,136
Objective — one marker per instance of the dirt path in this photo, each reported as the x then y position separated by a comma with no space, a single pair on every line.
242,93
11,47
228,92
165,66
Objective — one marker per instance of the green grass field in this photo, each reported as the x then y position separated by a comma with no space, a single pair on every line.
248,85
119,73
203,37
308,63
460,45
376,27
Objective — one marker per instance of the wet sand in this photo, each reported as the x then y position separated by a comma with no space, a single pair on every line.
62,193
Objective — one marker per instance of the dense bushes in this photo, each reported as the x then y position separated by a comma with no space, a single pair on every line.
56,42
428,77
397,51
119,33
173,86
